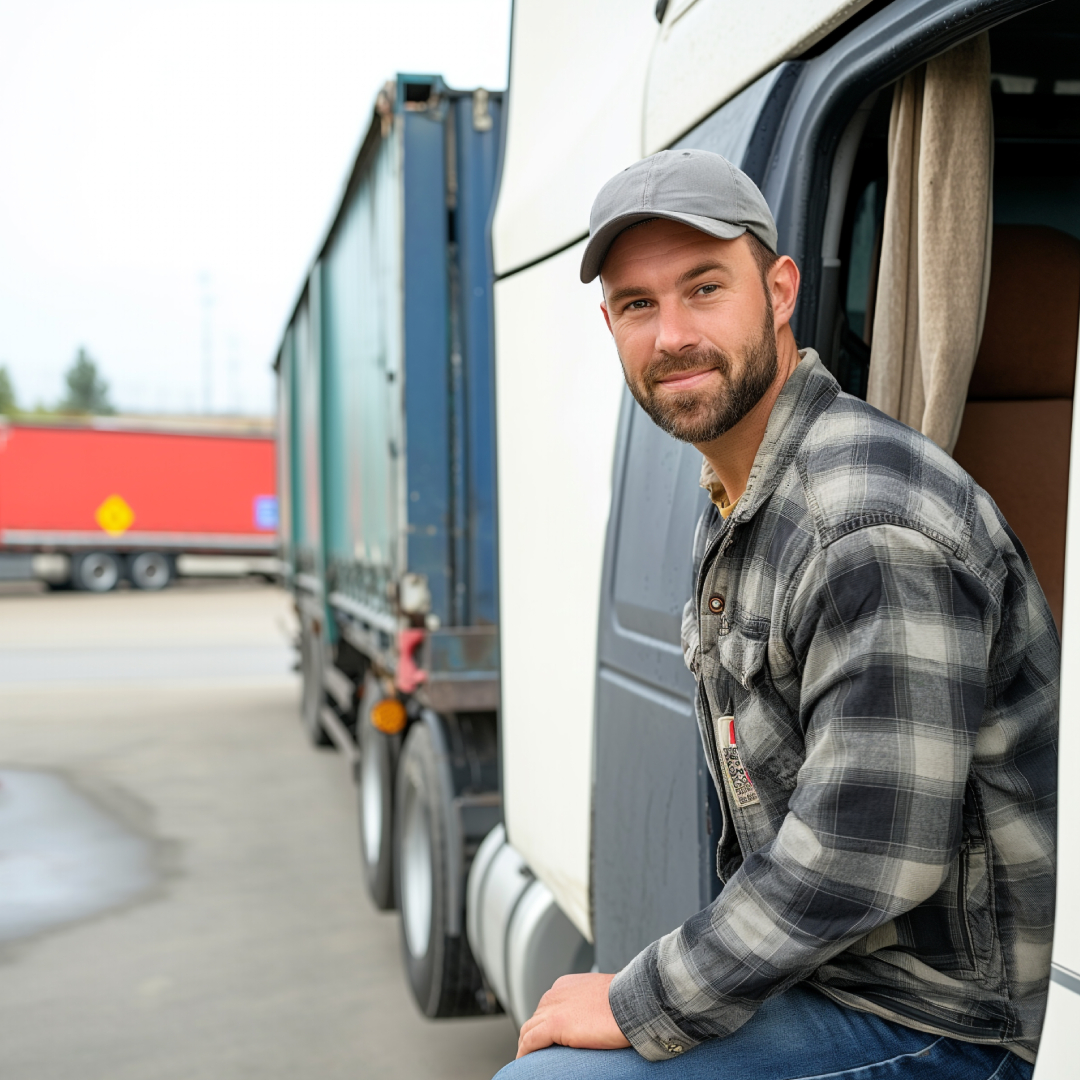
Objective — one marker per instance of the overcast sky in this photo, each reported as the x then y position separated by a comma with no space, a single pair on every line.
166,159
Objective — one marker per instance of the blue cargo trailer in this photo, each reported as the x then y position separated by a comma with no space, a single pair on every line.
386,401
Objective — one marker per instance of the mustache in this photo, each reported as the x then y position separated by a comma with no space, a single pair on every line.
668,364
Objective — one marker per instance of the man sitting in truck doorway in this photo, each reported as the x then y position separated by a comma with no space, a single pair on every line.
877,695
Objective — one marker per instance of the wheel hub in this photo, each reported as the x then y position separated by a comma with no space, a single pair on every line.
371,795
416,876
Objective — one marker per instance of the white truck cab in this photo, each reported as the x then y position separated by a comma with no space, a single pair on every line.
609,816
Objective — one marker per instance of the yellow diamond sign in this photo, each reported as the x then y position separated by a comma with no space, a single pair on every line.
114,515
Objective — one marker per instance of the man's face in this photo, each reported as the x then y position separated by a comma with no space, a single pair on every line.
693,325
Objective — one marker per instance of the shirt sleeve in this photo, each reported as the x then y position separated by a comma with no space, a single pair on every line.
892,634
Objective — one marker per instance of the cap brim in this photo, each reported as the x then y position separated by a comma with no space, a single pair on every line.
596,250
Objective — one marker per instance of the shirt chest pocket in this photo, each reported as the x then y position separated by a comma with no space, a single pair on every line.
738,682
733,667
741,651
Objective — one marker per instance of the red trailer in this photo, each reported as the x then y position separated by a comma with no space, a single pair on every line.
124,500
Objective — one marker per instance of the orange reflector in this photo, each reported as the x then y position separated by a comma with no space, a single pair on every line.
388,716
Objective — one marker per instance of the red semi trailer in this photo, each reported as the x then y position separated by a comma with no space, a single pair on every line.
110,499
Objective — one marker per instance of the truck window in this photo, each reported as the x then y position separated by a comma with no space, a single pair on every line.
860,247
862,257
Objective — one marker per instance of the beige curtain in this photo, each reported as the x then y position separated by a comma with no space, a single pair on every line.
935,252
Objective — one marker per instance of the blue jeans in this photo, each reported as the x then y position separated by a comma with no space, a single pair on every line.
799,1035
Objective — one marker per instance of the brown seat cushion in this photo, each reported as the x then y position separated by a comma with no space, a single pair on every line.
1015,436
1028,347
1019,452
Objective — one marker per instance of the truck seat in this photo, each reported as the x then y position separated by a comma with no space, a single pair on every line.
1015,435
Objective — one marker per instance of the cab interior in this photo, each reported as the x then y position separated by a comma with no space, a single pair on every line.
1015,433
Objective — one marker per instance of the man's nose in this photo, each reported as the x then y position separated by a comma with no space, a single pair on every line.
675,331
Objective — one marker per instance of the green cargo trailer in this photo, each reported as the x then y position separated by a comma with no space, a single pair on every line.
385,380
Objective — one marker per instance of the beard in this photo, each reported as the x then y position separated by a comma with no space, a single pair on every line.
700,416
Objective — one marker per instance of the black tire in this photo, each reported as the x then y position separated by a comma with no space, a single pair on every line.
150,570
375,802
443,976
96,571
313,695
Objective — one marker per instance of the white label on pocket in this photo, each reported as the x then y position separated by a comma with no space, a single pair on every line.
738,779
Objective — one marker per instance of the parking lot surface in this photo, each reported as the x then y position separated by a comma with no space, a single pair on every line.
180,892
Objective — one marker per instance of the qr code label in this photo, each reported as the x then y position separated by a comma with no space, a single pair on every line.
742,788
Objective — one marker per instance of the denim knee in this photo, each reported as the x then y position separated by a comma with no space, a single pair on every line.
564,1063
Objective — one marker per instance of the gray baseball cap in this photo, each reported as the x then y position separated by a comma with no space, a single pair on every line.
696,187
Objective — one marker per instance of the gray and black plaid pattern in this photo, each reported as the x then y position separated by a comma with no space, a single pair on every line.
871,630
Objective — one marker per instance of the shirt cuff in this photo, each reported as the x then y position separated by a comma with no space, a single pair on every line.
635,1003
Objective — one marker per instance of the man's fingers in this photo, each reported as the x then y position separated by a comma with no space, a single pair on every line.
537,1039
530,1024
525,1028
535,1035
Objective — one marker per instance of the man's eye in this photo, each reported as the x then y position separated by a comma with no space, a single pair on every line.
706,289
637,305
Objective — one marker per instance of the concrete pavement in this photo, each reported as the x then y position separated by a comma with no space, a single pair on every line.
249,948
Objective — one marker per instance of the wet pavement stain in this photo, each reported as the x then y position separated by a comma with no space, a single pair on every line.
63,857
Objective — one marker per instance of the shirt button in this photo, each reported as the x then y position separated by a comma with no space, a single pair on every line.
716,604
673,1048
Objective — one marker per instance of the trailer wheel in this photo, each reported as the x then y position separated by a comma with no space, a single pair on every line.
96,571
313,695
444,978
150,570
378,761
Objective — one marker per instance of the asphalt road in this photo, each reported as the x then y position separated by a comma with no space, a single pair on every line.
180,894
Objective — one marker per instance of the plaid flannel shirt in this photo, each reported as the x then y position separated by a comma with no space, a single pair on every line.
877,694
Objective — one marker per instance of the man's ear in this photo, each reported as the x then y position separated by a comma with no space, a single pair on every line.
607,317
783,281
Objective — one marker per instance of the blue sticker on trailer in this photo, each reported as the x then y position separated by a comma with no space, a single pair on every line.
266,512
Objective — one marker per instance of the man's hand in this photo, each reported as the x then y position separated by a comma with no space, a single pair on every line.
574,1012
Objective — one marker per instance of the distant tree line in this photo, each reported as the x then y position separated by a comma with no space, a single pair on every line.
87,392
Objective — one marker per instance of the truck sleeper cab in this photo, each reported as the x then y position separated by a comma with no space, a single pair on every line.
386,428
800,98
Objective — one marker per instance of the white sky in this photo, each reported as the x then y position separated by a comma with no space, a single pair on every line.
156,154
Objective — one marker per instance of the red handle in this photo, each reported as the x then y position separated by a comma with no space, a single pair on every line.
409,674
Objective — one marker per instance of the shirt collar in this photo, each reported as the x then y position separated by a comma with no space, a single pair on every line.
715,487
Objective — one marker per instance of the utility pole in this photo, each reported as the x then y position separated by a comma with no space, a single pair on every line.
207,343
235,403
